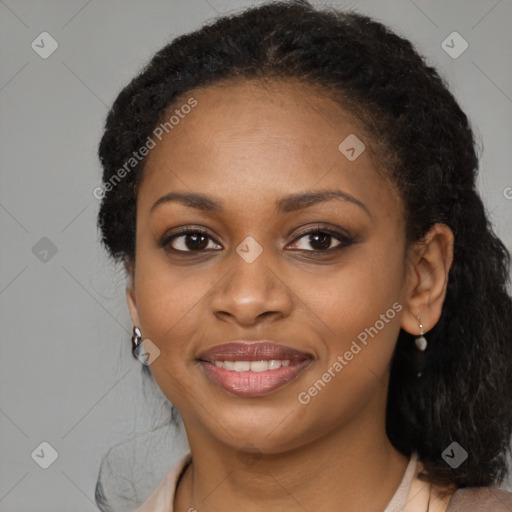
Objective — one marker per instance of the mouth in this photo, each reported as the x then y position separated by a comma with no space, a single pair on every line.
251,369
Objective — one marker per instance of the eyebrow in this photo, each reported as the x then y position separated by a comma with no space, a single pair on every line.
286,204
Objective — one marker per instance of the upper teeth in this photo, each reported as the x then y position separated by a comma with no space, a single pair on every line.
253,366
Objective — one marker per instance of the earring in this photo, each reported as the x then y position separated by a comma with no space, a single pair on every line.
136,339
420,341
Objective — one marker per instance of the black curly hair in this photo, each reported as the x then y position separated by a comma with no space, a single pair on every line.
424,142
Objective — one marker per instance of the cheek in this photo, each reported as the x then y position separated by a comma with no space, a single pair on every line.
168,306
168,301
358,318
351,296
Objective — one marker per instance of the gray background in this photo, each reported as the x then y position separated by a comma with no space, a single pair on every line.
67,376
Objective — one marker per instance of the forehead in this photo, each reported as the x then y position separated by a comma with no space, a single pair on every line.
257,137
285,113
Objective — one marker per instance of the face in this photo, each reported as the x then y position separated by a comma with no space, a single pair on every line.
320,278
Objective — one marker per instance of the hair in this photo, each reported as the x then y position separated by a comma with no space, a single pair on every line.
427,146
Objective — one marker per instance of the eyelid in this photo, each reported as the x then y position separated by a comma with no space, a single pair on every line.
324,228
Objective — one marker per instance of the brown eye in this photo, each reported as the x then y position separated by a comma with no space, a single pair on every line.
189,241
321,240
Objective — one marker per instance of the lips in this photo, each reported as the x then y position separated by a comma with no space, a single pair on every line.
251,369
252,351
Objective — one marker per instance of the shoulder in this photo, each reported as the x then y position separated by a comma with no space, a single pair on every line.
480,499
162,499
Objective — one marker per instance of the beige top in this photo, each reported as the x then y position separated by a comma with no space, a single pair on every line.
412,495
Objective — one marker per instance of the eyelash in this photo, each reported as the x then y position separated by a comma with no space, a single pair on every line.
344,239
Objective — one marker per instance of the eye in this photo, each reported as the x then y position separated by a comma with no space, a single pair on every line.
189,240
321,239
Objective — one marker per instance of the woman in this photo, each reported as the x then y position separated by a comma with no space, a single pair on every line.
313,281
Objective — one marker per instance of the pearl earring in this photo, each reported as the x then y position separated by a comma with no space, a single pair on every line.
420,341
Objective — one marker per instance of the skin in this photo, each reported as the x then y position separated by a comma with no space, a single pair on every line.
248,145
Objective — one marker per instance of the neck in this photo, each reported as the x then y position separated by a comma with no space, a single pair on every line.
355,467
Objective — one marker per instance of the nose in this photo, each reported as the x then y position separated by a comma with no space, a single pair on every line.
251,293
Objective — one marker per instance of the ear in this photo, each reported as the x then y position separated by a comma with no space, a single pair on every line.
428,266
130,295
